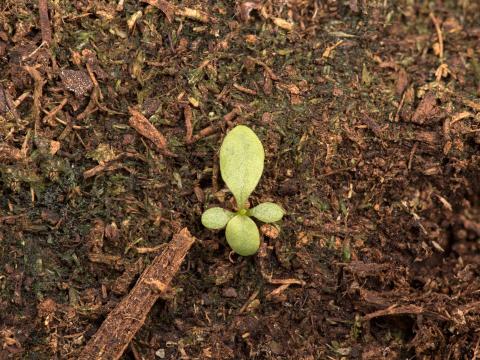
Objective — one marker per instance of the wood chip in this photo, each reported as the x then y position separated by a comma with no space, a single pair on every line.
145,128
121,325
54,147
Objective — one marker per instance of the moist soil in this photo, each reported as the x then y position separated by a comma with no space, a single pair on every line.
369,113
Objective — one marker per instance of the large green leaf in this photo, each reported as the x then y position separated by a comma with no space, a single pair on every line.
267,212
242,235
241,162
216,218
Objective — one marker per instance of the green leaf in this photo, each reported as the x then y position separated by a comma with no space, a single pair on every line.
216,218
242,235
267,212
241,162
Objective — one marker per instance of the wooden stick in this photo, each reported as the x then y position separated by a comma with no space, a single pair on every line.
121,325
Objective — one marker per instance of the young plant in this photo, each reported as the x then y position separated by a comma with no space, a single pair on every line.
241,166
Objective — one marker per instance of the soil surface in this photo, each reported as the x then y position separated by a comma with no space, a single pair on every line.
369,113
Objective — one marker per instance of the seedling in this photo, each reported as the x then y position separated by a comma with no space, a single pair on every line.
241,166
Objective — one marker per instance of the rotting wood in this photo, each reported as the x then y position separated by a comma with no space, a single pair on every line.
121,325
44,21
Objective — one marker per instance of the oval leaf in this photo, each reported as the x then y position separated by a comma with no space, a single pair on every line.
242,235
216,218
241,162
267,212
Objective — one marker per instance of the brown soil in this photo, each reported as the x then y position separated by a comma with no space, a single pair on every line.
369,112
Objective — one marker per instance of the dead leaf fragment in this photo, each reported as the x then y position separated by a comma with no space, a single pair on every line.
164,6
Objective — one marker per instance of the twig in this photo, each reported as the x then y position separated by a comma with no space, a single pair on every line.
187,114
112,166
436,23
37,93
44,22
228,118
54,112
399,108
244,89
121,325
209,130
410,157
266,67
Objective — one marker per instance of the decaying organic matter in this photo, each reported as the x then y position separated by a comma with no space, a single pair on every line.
111,117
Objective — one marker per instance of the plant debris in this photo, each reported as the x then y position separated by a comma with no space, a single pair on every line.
112,114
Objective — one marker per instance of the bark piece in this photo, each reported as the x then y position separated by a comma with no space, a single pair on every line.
145,128
125,320
44,22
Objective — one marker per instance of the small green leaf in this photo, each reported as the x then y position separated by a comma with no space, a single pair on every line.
216,218
241,162
267,212
242,235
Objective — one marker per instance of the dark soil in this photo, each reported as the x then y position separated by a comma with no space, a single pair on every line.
369,112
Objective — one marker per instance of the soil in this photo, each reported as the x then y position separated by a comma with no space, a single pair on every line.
369,113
